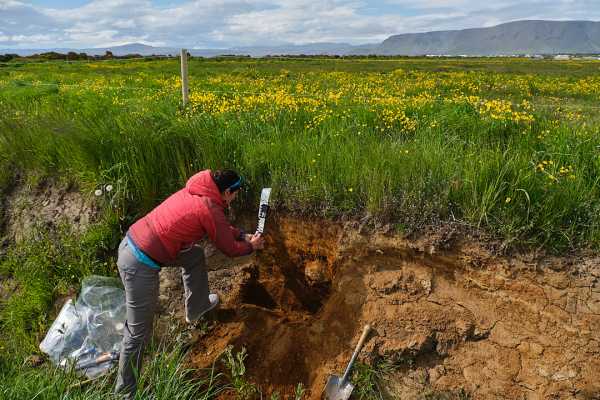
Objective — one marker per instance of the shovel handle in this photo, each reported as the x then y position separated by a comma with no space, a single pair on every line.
99,360
359,346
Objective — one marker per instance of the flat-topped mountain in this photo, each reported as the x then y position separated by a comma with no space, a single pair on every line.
520,37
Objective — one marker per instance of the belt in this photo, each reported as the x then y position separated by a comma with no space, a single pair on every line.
141,256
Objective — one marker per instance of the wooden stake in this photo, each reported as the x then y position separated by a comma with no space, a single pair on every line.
184,77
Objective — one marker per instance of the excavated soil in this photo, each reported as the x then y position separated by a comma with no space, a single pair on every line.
48,204
451,314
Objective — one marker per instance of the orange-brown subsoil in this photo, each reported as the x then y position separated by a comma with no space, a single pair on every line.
498,327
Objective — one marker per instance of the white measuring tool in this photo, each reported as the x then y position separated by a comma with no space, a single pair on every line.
262,209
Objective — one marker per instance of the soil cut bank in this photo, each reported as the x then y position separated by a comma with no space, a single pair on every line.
457,318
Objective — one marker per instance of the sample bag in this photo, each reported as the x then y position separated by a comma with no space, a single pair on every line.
86,335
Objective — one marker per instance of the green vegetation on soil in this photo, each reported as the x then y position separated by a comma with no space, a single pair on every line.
407,141
164,377
510,146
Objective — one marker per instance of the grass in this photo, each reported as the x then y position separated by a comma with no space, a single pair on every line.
402,142
368,381
409,141
164,377
236,369
44,267
427,153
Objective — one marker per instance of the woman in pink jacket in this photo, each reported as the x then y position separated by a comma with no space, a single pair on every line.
168,236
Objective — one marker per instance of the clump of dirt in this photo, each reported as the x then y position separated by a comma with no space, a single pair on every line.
48,204
495,327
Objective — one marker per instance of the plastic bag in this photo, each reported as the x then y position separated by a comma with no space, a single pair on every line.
87,334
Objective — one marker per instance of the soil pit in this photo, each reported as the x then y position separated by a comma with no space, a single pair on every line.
283,310
496,327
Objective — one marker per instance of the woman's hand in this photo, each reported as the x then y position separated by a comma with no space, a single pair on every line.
257,241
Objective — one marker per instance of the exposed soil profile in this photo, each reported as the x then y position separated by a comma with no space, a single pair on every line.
47,204
497,327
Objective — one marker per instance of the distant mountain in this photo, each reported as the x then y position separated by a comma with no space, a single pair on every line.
311,49
132,48
520,37
255,51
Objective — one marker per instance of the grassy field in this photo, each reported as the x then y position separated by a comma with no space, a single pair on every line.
408,141
511,146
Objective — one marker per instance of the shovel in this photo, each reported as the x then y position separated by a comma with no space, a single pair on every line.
340,388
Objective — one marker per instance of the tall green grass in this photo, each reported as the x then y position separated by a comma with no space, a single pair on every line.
464,167
164,377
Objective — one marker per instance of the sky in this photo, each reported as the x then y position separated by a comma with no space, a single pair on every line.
234,23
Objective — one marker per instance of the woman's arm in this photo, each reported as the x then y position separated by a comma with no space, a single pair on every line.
224,236
238,233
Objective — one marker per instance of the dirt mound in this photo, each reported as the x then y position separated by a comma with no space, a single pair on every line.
49,204
456,319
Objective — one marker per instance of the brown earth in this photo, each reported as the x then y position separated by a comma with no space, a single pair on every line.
451,314
47,203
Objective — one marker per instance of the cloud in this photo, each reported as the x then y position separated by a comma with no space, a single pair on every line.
230,23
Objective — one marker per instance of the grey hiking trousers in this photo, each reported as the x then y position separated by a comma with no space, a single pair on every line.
141,298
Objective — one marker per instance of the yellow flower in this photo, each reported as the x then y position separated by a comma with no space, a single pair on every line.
508,200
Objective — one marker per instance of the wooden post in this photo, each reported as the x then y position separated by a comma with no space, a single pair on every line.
185,91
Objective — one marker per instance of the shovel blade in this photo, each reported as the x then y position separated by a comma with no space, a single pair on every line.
336,389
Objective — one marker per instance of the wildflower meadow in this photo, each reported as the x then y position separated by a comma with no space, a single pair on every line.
405,141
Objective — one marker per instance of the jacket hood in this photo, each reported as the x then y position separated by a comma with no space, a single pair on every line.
202,184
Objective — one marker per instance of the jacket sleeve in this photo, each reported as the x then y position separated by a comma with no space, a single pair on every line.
238,233
223,235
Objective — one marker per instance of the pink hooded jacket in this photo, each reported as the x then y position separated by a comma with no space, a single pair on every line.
185,218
